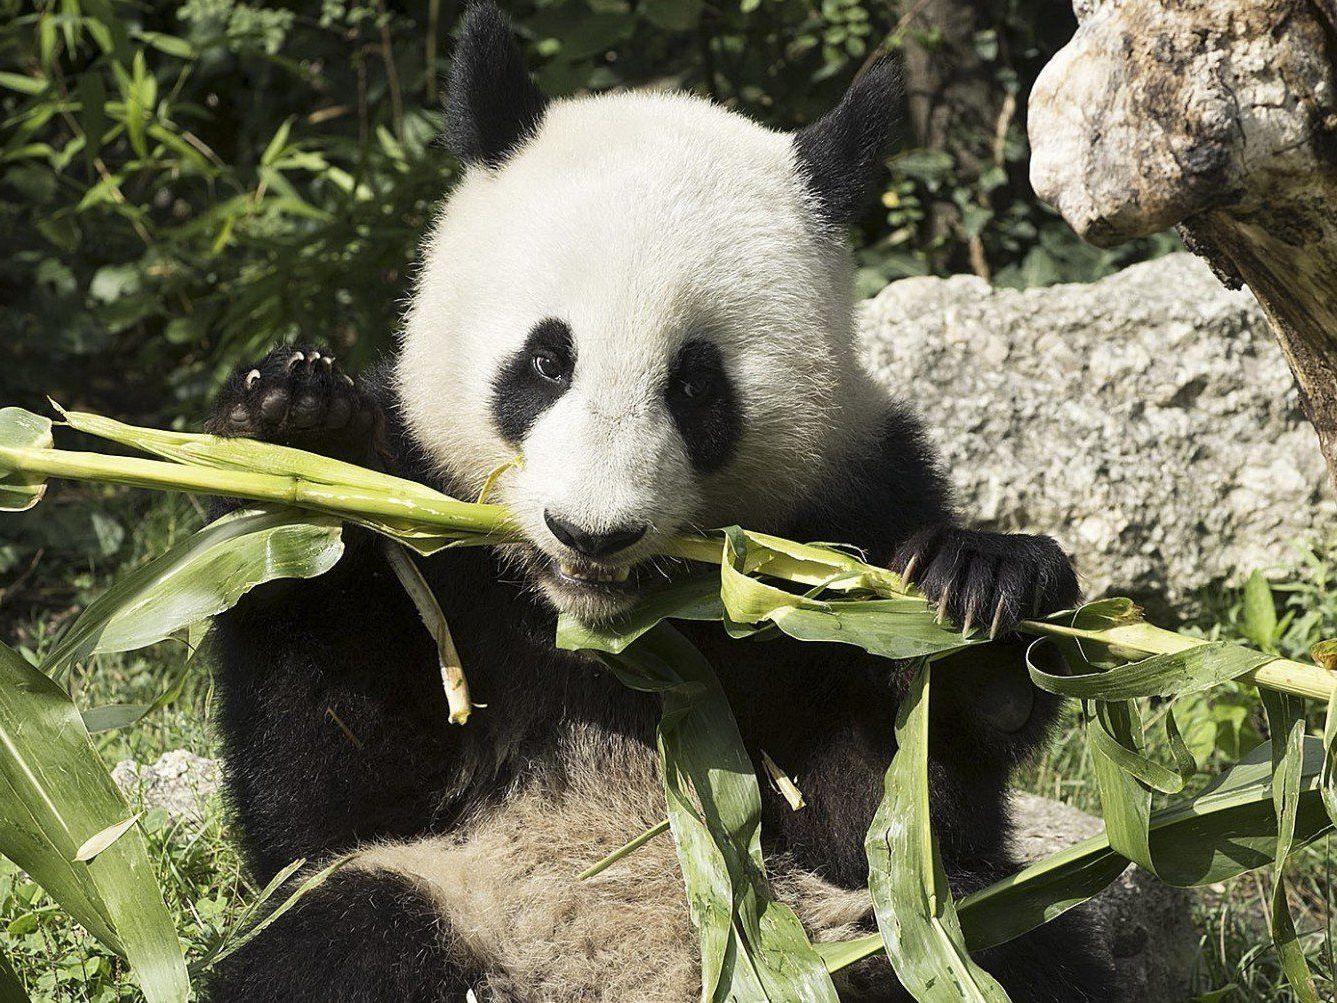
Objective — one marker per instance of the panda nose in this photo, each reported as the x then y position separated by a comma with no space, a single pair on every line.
594,545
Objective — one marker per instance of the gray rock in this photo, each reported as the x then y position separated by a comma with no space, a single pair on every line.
179,782
1147,926
1147,421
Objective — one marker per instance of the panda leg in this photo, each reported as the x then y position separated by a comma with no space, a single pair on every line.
361,937
1055,963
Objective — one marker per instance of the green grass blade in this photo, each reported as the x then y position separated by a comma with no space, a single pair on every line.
625,850
55,794
200,576
306,887
913,905
756,950
20,429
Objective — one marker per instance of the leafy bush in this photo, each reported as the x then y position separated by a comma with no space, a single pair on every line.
182,184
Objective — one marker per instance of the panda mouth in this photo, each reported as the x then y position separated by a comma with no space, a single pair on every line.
589,575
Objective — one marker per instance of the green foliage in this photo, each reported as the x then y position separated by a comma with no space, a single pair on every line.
183,185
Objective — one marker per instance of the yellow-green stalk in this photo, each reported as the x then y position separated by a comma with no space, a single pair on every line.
421,508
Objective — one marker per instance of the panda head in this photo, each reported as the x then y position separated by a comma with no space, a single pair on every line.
648,299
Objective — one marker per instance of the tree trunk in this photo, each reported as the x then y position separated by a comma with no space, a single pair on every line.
1219,116
952,103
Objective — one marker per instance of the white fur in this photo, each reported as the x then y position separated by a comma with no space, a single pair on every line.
642,220
507,884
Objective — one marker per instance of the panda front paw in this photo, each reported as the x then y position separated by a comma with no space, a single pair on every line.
298,396
988,581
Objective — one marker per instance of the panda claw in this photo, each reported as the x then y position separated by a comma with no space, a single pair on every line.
909,573
997,619
291,399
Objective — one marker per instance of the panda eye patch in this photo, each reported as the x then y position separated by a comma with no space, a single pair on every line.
532,379
704,405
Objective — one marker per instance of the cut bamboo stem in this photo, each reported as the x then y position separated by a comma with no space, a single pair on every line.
625,850
491,524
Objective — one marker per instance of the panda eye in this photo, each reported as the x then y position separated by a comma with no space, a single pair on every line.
694,388
550,366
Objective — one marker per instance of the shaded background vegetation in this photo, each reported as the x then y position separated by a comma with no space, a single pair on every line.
182,185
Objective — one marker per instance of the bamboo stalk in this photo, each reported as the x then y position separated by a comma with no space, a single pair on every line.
491,524
625,850
452,669
1297,678
443,513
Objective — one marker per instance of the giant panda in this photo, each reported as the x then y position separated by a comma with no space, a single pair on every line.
649,298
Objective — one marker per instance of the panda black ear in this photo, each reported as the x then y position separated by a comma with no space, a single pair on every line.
492,105
840,155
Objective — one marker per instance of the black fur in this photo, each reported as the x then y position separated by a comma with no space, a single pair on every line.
492,105
704,405
356,937
520,393
841,154
332,721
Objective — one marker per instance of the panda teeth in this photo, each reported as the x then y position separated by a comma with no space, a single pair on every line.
610,576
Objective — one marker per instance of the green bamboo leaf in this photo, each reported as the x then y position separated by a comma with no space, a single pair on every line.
1185,764
11,986
915,912
198,577
1148,772
693,598
99,841
1227,829
1329,778
898,628
757,950
55,793
110,717
1259,623
1286,724
20,429
1125,803
1188,671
